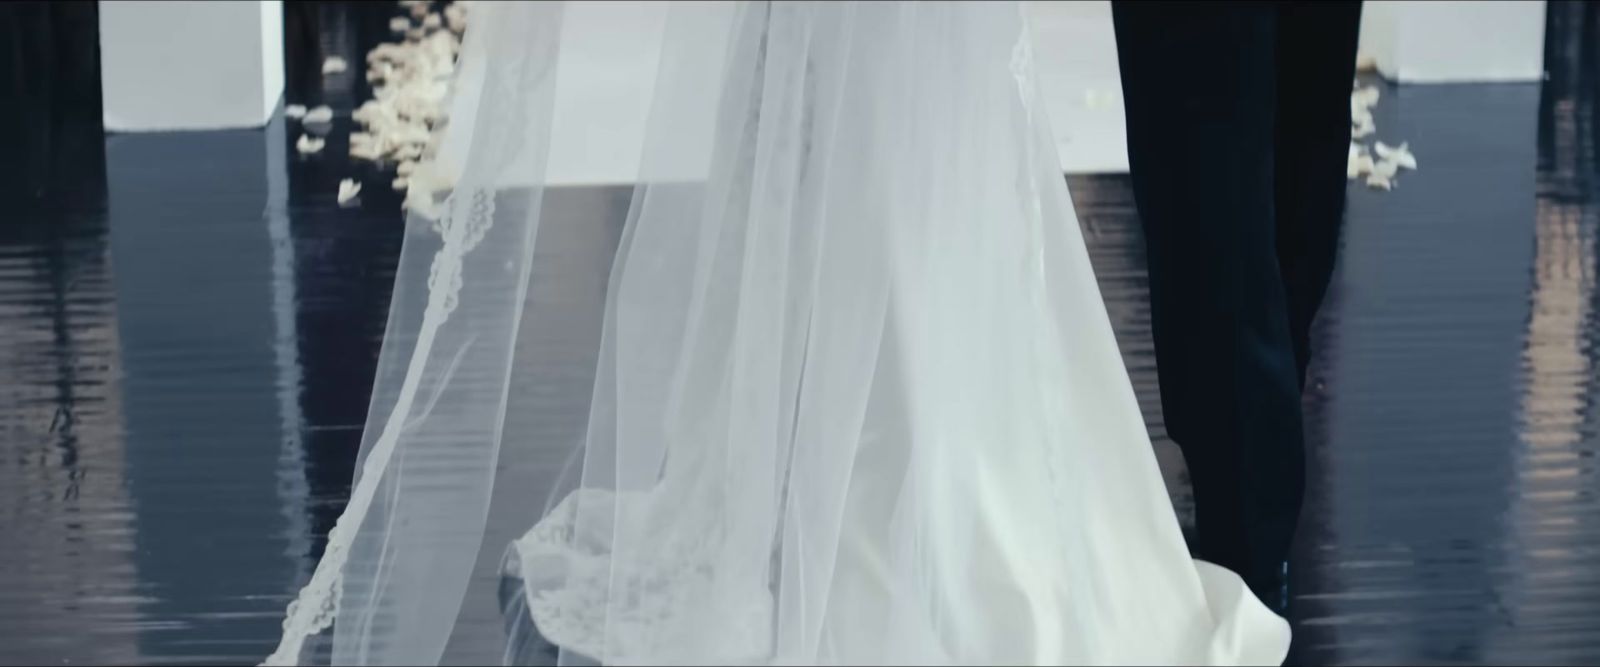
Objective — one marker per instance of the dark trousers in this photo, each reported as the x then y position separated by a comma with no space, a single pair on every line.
1238,127
49,96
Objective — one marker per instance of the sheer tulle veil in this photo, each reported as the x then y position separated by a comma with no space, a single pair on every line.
852,395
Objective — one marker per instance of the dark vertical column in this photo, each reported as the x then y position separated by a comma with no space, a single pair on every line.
50,85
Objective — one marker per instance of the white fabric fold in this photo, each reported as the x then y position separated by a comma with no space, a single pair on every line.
856,398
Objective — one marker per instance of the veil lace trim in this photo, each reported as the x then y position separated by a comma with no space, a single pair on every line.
468,214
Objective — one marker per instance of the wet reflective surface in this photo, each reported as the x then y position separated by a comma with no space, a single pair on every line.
1453,513
189,326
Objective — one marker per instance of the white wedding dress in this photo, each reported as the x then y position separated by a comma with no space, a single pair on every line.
857,399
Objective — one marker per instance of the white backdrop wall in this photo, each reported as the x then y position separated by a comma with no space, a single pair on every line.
605,85
1421,41
609,64
208,65
168,65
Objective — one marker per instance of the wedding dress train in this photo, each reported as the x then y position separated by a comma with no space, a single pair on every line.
856,400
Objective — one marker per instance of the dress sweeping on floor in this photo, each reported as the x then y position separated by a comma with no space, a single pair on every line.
856,399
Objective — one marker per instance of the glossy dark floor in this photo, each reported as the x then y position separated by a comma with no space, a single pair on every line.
188,328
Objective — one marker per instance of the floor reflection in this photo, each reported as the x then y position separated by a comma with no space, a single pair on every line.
1453,475
69,585
1555,512
67,565
1420,378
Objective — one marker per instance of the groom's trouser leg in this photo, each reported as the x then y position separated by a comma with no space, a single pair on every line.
1220,191
1316,62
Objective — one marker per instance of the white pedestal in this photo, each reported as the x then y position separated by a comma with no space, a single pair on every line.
1455,42
1075,50
167,65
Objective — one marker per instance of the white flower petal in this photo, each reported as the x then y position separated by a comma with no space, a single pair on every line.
1400,155
308,144
348,189
334,65
295,111
421,203
1362,128
1359,163
455,16
1366,97
405,119
408,152
399,24
1379,182
322,114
